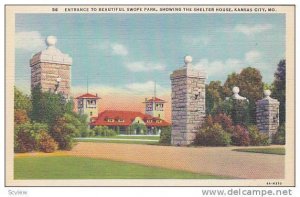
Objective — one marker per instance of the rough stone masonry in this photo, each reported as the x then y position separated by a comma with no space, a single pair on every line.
267,114
188,102
51,68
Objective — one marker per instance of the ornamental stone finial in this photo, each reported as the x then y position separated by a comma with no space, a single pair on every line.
51,41
267,93
188,60
236,95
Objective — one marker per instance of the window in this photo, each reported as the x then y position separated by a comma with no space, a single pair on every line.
110,120
91,113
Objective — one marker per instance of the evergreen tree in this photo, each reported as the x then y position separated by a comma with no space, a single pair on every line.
279,89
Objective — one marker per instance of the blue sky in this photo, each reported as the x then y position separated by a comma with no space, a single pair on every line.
128,52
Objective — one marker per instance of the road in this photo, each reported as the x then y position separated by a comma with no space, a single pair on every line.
214,160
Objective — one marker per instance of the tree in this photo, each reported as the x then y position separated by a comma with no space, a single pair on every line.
231,81
47,107
279,89
251,87
21,101
213,96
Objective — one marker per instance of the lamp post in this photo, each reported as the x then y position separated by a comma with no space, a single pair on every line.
58,80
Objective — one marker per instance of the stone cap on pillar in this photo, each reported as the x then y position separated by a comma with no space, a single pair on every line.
267,98
188,70
51,54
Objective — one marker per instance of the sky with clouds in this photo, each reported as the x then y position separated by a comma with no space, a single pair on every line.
128,52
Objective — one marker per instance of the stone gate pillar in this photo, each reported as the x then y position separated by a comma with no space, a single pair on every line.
188,102
239,111
267,114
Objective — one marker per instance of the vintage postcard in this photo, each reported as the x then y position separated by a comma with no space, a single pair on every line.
137,95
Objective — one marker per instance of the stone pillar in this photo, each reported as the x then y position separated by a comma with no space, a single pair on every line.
188,102
267,114
239,108
51,69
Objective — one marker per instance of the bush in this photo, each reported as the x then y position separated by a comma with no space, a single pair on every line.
62,132
20,116
279,137
225,121
46,143
240,136
103,131
212,136
84,133
25,136
257,138
165,135
91,133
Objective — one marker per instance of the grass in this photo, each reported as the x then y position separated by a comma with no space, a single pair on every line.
68,167
276,151
118,141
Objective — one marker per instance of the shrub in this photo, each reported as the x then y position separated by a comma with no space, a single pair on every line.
103,131
25,136
46,143
62,132
240,136
84,133
20,116
165,135
212,136
91,132
257,138
225,121
279,137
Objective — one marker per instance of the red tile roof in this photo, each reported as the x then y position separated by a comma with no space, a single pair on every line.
88,95
155,99
128,117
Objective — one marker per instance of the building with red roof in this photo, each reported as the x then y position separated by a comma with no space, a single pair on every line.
87,104
155,107
122,120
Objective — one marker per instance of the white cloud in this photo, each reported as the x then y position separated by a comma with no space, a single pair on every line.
218,67
144,66
113,48
119,49
200,40
251,30
252,56
139,89
30,41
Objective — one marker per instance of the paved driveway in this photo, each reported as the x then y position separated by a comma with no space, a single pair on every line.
213,160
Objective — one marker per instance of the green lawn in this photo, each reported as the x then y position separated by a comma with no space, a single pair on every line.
67,167
118,141
276,151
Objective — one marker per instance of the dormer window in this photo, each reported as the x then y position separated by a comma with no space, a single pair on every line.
149,120
121,120
110,120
